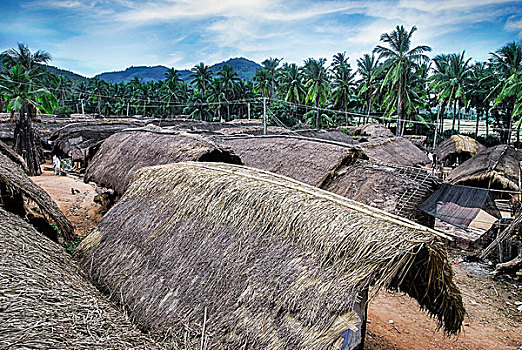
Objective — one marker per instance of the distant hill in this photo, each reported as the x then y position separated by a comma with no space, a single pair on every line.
245,68
75,77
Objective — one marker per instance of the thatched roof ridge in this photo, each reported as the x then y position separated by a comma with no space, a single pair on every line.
495,167
48,304
372,130
123,153
274,263
396,151
12,155
17,182
305,159
458,144
327,134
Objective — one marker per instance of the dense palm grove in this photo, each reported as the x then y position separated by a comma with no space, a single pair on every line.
395,84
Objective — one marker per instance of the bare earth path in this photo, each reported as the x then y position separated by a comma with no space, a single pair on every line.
491,324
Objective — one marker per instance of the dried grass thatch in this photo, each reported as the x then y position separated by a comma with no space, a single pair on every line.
458,145
12,155
45,302
122,154
81,140
15,185
308,160
496,167
327,134
397,190
372,130
260,260
395,151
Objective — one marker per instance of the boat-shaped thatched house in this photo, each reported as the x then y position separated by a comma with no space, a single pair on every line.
493,168
457,149
243,258
47,303
124,153
396,151
16,188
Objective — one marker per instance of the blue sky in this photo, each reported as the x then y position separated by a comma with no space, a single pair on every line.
94,36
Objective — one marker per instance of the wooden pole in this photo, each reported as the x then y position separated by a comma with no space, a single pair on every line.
248,110
264,115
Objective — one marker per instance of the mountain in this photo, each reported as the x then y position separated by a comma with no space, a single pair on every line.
75,77
245,68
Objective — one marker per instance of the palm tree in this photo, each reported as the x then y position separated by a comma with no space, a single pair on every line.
229,79
400,59
202,77
270,65
317,83
292,87
343,84
262,82
367,67
97,89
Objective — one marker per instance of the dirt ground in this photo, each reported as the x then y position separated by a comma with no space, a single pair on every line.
494,307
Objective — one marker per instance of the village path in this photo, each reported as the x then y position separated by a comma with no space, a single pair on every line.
491,323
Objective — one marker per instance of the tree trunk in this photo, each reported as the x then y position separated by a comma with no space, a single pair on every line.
317,114
458,119
477,126
399,108
99,108
228,112
454,116
487,123
345,114
369,110
27,142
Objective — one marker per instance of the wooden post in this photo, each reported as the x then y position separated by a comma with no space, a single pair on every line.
264,115
248,110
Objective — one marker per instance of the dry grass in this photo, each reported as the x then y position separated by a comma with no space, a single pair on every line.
272,262
457,144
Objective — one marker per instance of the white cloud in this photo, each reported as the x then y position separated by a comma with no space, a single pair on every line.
514,24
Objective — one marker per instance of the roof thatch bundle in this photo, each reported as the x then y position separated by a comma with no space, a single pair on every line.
47,304
122,154
496,167
397,190
13,156
395,151
15,186
260,260
461,145
81,140
372,130
308,160
327,134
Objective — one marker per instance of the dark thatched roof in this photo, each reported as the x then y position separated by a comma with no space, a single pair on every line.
80,140
271,262
12,155
14,183
395,151
372,130
496,167
458,144
48,304
307,160
122,154
397,190
327,134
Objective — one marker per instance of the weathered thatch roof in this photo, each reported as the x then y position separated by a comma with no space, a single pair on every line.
457,144
418,140
395,151
397,190
327,134
372,130
263,261
47,303
122,154
496,167
80,140
14,183
304,159
13,156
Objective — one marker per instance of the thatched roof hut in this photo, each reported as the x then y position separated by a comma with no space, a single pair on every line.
304,159
16,186
81,140
48,304
260,260
496,168
395,151
458,149
122,154
372,130
397,190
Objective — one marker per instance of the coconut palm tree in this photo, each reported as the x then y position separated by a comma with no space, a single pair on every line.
317,83
343,83
292,87
202,77
98,91
400,60
262,82
368,69
229,79
270,65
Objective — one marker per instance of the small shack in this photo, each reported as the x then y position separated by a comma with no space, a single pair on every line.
457,149
234,257
124,153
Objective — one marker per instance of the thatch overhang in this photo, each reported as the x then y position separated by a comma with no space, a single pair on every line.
15,186
47,303
458,145
396,151
13,156
80,141
496,168
261,260
124,153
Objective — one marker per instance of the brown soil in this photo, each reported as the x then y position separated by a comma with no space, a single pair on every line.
493,321
79,207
